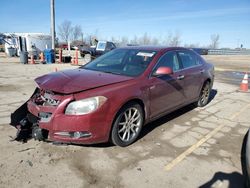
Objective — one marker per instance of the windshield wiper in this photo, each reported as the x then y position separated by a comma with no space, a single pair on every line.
111,72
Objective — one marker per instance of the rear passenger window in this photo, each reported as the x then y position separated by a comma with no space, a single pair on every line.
169,60
188,59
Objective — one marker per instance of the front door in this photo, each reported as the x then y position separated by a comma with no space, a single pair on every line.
166,92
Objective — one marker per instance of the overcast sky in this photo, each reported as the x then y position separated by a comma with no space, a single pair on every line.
194,20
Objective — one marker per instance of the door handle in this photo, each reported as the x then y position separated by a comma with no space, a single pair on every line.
180,77
202,71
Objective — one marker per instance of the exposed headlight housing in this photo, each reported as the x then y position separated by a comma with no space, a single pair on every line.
85,106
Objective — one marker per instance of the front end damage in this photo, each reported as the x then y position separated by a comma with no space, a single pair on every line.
37,110
43,118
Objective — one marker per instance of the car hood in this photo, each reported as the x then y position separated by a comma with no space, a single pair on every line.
73,81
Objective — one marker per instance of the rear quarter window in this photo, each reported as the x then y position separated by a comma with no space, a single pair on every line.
189,59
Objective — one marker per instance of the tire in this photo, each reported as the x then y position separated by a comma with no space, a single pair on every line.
87,58
204,95
127,125
245,160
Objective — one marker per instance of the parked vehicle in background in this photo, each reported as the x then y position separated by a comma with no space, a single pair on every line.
113,96
63,46
93,52
201,51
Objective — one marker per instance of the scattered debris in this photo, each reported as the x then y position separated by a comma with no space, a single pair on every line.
26,149
51,161
158,144
30,163
12,139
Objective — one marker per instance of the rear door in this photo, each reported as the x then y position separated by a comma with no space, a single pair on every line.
166,92
193,73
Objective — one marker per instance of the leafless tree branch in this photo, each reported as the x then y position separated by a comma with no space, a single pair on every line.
214,41
65,30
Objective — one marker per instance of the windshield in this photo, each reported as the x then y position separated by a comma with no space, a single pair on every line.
101,46
129,62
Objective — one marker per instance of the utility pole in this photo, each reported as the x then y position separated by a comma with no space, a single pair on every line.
52,22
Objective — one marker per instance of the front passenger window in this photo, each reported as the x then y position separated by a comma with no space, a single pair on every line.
169,59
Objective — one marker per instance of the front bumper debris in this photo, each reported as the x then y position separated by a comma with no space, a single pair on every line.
26,123
43,117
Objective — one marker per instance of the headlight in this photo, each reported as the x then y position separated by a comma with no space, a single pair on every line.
85,106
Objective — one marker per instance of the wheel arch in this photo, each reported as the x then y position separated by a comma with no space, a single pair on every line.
204,82
210,80
130,101
122,107
133,100
86,52
207,80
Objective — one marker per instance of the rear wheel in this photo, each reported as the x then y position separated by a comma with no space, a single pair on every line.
204,95
127,125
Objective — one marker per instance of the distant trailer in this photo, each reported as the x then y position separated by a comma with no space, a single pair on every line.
33,43
10,42
36,43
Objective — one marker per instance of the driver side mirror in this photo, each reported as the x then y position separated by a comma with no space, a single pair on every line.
161,71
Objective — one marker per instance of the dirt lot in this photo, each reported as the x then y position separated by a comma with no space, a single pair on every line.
229,62
192,147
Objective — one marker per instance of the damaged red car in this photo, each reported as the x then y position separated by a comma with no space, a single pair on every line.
113,96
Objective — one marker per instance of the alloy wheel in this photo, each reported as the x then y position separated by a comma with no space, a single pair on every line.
129,124
205,94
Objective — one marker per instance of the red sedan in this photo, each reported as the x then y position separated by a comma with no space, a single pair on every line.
112,97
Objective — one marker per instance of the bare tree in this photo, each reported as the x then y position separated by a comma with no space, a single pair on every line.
124,41
175,40
76,32
214,41
194,45
134,40
155,41
65,30
168,39
113,39
145,39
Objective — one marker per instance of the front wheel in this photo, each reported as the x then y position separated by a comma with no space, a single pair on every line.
127,125
204,95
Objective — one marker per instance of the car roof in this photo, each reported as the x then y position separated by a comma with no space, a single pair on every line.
153,48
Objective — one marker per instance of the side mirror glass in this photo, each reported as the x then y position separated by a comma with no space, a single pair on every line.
163,71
